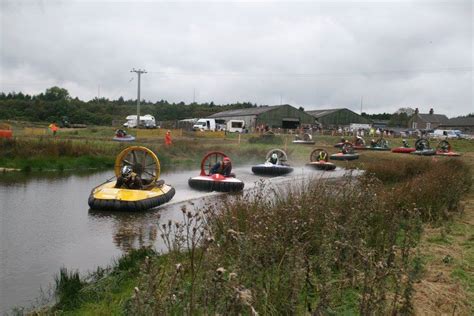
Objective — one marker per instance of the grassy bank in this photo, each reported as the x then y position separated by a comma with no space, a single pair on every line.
93,148
321,248
46,153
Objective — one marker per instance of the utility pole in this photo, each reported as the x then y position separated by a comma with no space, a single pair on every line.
361,100
139,73
194,95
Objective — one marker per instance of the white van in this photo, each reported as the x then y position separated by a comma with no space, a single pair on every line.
205,125
236,126
445,133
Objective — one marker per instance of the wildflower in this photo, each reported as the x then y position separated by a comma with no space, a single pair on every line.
179,267
220,271
244,296
210,239
136,290
169,223
232,275
189,214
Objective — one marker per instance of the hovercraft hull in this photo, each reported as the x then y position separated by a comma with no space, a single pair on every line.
271,170
107,197
219,184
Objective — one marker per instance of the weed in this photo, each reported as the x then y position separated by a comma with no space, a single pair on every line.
68,287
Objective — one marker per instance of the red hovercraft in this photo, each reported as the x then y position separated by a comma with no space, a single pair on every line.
405,149
319,160
444,149
215,182
358,143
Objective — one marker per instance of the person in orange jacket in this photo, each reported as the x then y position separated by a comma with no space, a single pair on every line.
54,128
168,138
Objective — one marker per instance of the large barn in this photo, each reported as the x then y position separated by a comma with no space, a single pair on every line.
278,116
334,118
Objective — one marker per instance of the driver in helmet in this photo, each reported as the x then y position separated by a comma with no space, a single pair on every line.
273,159
129,179
223,167
323,156
359,141
405,143
373,143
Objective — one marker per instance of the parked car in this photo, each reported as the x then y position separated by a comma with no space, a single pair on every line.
445,133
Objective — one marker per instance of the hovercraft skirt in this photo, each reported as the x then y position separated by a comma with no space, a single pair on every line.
344,156
326,166
203,184
271,170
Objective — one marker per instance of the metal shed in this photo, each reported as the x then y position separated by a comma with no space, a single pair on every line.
333,118
279,116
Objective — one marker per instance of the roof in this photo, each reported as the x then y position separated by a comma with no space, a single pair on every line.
433,118
321,113
460,121
245,112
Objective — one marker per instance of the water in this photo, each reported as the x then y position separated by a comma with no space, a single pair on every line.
45,224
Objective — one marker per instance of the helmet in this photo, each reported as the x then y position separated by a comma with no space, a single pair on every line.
126,170
274,156
226,159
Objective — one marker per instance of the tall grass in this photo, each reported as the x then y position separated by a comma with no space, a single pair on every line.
318,248
49,153
68,287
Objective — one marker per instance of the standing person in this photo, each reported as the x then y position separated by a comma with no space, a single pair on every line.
168,138
54,128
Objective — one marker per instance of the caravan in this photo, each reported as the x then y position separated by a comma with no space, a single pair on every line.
146,121
236,126
205,125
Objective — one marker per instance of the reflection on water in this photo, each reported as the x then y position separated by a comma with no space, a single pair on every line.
130,230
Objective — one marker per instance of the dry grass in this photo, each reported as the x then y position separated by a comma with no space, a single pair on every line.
448,249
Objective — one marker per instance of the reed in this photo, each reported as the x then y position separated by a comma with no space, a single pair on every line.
312,248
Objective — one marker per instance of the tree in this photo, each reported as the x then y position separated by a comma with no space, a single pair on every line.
56,94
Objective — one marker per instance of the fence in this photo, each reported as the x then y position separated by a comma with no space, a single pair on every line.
158,133
206,134
34,131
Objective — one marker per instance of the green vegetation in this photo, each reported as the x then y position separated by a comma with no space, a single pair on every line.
318,248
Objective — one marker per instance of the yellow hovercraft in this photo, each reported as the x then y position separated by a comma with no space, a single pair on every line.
153,192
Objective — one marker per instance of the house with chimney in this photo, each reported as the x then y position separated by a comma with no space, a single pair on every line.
426,121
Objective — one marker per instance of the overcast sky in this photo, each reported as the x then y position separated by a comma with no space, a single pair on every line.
318,54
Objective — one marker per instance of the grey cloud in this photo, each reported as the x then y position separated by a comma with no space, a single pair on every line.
388,52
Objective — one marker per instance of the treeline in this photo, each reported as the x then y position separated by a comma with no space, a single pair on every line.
55,104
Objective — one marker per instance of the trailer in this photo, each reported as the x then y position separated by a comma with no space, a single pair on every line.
146,121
